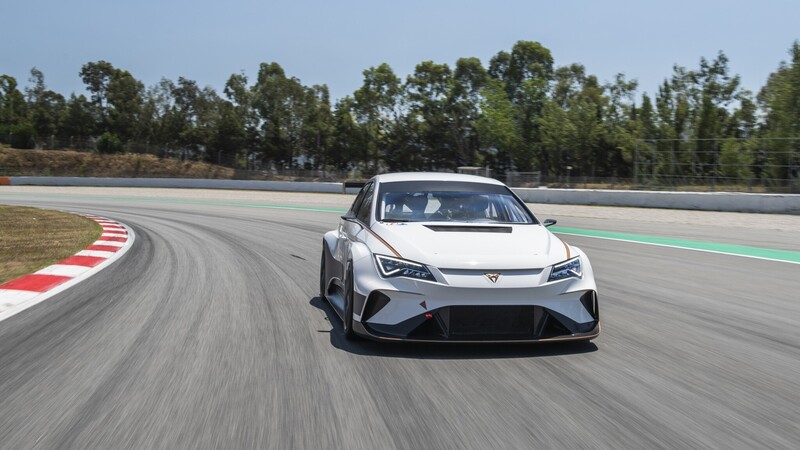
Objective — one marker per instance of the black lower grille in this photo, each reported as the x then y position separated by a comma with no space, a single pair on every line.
466,321
484,323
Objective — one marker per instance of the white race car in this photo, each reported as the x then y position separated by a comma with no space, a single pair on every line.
445,257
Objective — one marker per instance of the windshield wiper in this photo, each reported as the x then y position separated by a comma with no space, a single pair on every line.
395,220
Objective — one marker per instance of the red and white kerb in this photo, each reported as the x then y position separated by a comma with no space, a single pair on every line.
28,290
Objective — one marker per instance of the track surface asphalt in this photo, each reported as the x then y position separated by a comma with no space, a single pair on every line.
209,334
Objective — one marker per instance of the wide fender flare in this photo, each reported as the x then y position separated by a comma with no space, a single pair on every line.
364,270
329,240
359,251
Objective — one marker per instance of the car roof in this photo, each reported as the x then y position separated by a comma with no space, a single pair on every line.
434,176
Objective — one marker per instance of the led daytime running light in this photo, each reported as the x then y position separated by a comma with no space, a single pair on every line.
570,268
395,267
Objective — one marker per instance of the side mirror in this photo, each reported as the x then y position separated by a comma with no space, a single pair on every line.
548,222
348,217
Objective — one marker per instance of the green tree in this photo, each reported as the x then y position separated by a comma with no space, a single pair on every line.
241,96
697,104
317,128
13,109
647,119
280,103
76,121
528,61
469,78
156,107
779,100
44,108
109,143
498,66
621,128
736,160
161,122
584,104
585,114
378,104
125,103
499,126
713,90
428,91
347,146
96,76
177,122
674,124
526,73
529,75
193,117
744,119
228,134
558,135
22,136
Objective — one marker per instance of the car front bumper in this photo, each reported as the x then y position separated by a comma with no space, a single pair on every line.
465,306
483,324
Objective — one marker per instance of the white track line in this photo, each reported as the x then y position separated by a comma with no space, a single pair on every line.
718,252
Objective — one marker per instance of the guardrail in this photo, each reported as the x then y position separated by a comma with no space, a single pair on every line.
707,201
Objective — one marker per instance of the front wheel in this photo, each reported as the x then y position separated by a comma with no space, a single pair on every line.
347,320
322,276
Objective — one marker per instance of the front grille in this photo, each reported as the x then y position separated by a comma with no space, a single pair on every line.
505,321
483,323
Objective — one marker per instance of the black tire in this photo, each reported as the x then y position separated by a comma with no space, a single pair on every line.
322,280
347,320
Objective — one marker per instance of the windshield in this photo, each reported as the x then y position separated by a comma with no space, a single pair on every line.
437,201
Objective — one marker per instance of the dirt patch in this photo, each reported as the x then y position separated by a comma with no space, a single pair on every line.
59,163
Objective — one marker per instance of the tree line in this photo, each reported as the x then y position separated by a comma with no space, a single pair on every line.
520,112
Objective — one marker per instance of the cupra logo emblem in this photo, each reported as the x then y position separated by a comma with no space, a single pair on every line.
493,277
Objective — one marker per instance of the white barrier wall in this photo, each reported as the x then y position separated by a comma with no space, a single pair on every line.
708,201
293,186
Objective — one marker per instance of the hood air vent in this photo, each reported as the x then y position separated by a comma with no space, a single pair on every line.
469,229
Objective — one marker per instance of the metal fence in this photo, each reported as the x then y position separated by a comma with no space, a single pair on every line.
745,165
749,164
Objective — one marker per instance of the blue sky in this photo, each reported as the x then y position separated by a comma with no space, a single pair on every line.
332,42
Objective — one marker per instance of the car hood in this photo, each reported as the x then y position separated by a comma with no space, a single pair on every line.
474,246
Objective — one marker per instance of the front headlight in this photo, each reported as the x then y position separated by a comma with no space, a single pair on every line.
395,267
570,268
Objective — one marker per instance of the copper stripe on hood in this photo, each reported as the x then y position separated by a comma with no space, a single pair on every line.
383,241
569,254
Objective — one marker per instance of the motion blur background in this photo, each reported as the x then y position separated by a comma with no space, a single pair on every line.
609,95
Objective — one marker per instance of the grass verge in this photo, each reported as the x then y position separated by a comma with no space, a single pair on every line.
32,238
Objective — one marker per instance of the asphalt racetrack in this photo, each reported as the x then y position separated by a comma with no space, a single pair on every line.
208,333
